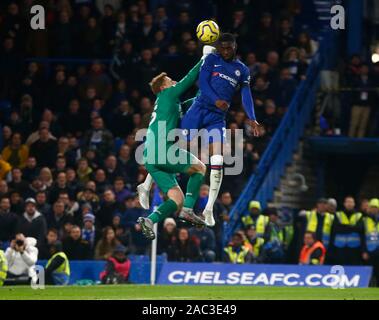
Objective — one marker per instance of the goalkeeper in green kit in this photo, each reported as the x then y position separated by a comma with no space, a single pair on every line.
167,113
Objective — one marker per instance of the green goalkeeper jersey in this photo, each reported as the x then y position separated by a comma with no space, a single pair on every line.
167,112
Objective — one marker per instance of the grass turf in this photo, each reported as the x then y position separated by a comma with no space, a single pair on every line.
160,292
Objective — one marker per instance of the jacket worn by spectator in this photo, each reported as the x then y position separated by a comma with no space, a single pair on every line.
22,264
77,249
34,226
8,225
100,140
184,252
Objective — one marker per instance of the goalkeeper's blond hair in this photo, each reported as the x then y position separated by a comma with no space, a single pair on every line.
157,83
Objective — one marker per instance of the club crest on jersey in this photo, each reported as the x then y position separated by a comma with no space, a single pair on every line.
238,73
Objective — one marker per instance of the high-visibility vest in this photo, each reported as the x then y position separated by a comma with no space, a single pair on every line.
236,257
260,223
285,235
3,267
371,233
306,253
312,222
258,246
64,267
351,240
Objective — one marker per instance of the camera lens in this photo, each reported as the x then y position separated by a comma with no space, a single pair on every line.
19,242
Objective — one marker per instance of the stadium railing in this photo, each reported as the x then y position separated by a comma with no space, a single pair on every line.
278,154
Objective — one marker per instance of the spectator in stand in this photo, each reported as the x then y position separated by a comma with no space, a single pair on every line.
119,189
313,251
286,37
128,164
255,244
108,208
32,223
286,89
117,268
99,138
371,249
58,216
305,42
21,257
106,244
41,201
89,232
363,98
347,235
44,247
75,247
111,168
16,153
17,183
8,222
17,203
44,149
266,36
30,171
121,122
184,249
236,252
207,241
167,236
270,119
57,269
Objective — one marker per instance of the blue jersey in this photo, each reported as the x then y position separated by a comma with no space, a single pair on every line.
219,80
226,77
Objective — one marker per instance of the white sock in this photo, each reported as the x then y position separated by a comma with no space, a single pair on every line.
215,180
148,182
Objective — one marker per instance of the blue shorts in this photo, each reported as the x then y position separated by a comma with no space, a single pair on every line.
201,116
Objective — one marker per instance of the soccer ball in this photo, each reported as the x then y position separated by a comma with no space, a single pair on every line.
207,31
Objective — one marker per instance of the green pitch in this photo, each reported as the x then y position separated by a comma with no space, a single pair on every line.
142,292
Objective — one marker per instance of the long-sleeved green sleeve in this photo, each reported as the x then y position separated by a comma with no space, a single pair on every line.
184,84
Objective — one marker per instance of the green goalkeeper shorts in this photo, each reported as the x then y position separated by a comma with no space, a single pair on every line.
164,175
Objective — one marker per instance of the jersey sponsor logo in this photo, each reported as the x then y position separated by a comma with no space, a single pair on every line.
232,81
185,132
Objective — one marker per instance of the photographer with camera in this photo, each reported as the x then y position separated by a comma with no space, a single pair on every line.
22,256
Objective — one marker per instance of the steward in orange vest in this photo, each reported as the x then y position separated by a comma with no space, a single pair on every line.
313,251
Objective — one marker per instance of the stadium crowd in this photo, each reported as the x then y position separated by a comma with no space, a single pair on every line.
67,166
350,100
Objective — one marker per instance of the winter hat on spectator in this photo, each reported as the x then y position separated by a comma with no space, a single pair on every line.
169,221
119,248
86,205
30,200
374,203
89,217
254,205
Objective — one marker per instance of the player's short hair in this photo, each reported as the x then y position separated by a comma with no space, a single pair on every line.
227,37
157,82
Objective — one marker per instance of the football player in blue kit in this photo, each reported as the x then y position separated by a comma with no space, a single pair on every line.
221,76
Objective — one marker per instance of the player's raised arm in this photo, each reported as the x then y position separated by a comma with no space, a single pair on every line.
248,103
